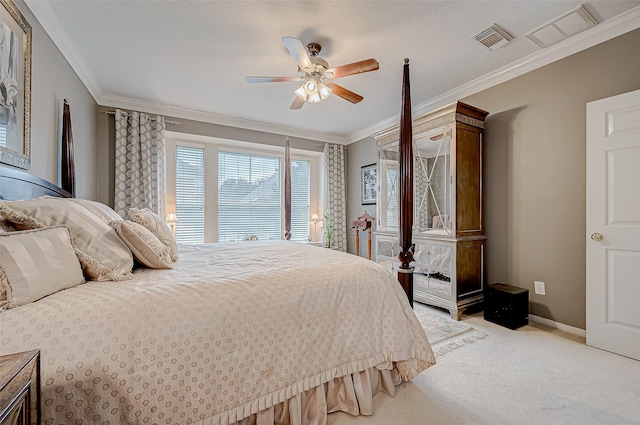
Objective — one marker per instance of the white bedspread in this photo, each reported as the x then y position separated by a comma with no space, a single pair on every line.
233,329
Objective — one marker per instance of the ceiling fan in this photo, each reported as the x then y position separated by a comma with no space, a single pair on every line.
315,73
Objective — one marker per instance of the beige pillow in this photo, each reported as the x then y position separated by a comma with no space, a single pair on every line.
37,263
103,255
144,245
157,226
100,210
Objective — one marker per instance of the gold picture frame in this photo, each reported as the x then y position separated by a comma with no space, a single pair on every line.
15,87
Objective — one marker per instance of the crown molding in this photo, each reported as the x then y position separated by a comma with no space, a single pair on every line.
607,30
202,116
54,28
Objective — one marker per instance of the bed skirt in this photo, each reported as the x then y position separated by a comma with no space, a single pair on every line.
352,394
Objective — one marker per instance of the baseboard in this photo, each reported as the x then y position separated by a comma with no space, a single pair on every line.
560,326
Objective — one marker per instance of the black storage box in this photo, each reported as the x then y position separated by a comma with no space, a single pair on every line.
506,305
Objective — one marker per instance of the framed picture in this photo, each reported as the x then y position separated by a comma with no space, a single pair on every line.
369,188
15,86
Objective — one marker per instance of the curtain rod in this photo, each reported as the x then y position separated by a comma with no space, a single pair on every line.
166,121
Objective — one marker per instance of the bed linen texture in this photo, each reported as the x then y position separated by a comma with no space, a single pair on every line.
251,332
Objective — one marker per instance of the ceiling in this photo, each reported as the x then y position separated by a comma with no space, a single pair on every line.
188,59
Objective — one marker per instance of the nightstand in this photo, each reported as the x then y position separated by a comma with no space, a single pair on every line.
20,388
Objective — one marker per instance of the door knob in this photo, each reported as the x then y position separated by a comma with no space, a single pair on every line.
597,237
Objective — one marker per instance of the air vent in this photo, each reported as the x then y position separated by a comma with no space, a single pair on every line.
493,37
561,28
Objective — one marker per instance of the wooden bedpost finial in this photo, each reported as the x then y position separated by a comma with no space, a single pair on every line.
406,61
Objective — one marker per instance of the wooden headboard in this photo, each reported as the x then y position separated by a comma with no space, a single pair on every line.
16,184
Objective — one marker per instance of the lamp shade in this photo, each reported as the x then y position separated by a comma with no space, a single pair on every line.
171,218
314,217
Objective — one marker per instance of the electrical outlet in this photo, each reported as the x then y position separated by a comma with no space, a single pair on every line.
539,287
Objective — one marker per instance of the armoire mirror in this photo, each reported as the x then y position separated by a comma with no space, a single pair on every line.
431,183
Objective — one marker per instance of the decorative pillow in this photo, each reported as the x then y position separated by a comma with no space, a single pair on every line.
144,245
37,263
157,226
100,210
102,253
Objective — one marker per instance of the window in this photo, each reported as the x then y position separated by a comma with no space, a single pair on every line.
392,199
249,198
189,194
232,191
300,199
3,127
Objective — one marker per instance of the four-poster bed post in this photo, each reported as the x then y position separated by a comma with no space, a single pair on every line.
287,191
405,169
67,164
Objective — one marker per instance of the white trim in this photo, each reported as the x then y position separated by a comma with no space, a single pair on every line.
242,145
607,30
560,326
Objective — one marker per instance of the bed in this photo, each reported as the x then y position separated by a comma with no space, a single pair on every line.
263,332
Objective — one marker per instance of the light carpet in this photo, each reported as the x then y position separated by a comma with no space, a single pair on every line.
445,334
530,376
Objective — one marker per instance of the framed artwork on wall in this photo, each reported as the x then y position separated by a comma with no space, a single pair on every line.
369,186
15,86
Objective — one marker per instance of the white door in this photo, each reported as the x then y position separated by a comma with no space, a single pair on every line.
613,224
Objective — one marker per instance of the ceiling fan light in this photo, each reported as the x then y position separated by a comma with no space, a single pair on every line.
311,87
314,98
324,91
301,93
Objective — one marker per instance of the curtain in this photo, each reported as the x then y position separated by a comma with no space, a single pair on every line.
140,163
334,196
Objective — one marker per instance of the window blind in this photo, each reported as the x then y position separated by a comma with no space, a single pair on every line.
190,194
249,197
392,198
300,199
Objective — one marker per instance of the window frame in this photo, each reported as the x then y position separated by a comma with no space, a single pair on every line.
212,146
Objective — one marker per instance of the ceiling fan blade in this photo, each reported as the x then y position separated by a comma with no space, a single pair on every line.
299,53
354,68
271,79
297,103
344,93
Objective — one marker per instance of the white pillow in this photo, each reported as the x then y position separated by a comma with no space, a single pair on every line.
37,263
144,245
103,255
100,210
157,226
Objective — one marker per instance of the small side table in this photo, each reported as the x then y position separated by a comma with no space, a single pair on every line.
20,388
506,305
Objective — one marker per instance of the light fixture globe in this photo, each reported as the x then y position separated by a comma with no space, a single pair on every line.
301,93
324,90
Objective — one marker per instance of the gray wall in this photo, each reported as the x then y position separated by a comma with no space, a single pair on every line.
53,79
535,173
360,153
